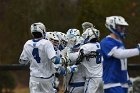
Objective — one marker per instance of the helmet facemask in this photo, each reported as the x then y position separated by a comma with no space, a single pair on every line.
53,38
64,43
78,43
54,42
63,39
71,42
71,35
122,29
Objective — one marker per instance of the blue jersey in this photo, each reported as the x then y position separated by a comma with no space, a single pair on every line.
114,70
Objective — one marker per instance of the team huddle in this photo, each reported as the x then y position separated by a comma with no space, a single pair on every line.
86,64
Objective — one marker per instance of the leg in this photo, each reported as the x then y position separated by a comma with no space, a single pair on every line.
94,85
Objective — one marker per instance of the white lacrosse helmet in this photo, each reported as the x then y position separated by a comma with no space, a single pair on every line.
61,36
63,40
79,41
51,35
53,38
113,21
38,27
90,33
71,35
64,37
73,32
58,35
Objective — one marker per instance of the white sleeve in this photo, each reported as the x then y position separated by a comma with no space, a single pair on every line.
123,53
64,52
73,56
50,50
24,57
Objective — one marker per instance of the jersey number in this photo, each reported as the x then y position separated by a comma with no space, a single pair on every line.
35,54
95,54
99,57
123,64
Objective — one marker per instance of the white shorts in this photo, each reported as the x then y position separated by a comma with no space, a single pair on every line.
39,85
94,85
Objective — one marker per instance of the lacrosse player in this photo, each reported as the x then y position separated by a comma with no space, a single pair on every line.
76,81
92,61
55,41
115,74
71,35
41,55
90,58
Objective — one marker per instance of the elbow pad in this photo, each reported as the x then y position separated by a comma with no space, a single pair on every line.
25,62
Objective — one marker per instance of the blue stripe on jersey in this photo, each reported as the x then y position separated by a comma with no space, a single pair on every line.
77,84
112,72
36,40
61,47
86,86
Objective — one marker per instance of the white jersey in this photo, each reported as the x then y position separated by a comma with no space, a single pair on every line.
39,53
93,65
65,52
76,78
58,54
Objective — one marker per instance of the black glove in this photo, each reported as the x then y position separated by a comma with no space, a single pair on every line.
80,57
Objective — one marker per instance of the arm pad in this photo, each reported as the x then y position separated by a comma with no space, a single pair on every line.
25,62
123,53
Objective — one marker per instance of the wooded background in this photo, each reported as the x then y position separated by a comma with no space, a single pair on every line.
16,16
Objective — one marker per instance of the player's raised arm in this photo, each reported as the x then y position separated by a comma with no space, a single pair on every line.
24,57
123,53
